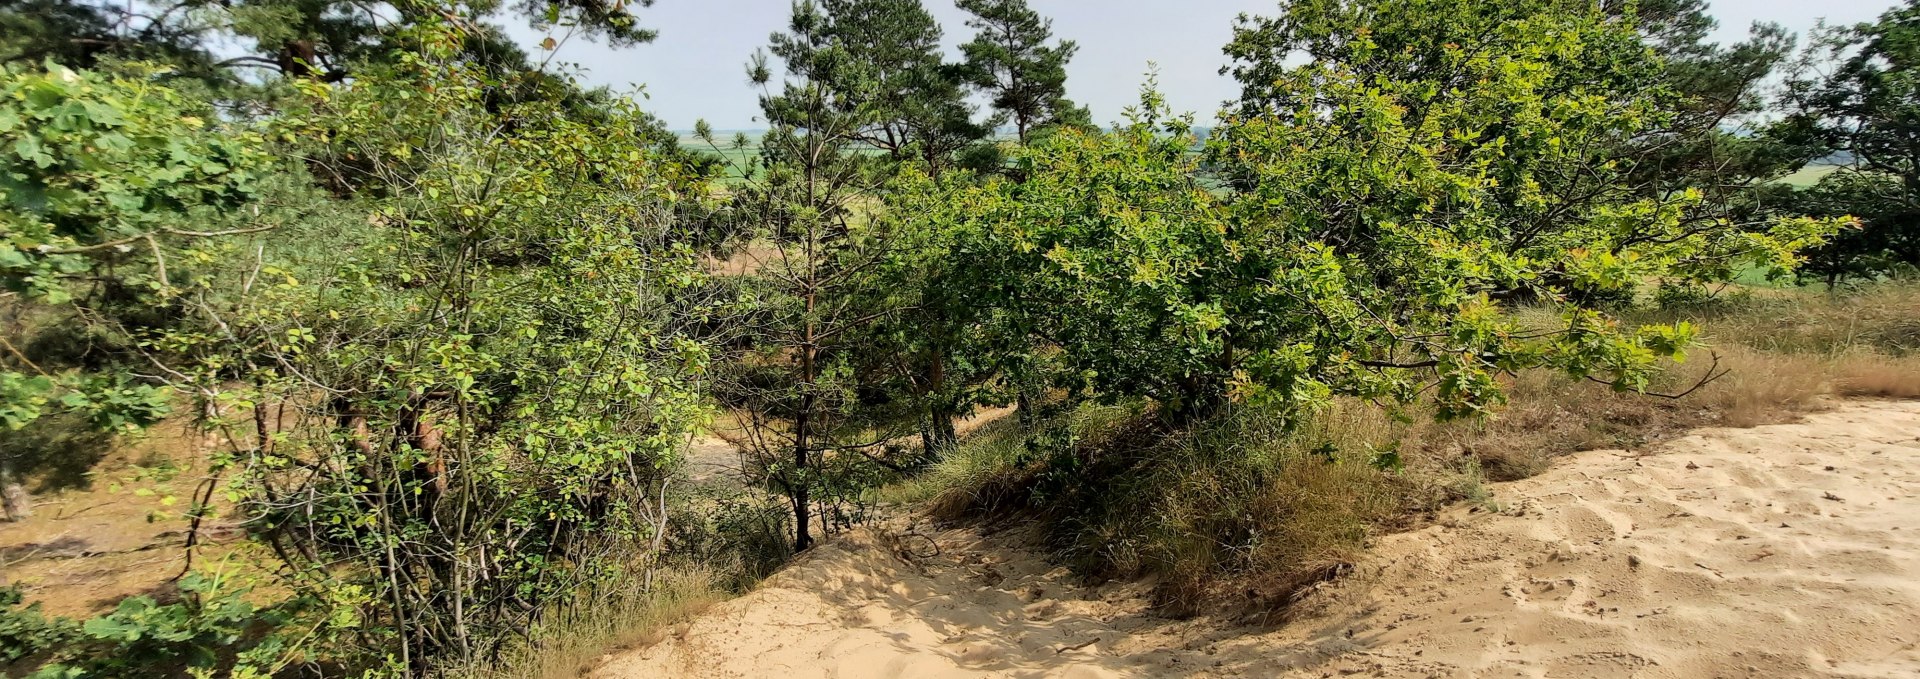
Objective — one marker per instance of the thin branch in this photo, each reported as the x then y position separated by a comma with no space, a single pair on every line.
20,355
1713,373
1390,364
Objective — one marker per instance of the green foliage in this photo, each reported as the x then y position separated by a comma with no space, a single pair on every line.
1857,94
878,62
454,322
110,403
1713,137
288,38
1093,250
613,20
22,399
1383,200
211,629
25,632
1448,155
806,378
87,35
195,631
96,167
466,372
507,361
1884,241
103,178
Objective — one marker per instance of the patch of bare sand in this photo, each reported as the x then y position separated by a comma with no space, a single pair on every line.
1779,551
112,524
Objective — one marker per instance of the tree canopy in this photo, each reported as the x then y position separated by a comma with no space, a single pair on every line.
1857,96
1010,59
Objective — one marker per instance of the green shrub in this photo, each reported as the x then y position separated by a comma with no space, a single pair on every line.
25,632
211,629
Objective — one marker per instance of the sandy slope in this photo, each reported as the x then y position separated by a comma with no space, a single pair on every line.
1782,551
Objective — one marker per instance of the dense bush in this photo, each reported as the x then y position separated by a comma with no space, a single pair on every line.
470,410
443,412
1253,507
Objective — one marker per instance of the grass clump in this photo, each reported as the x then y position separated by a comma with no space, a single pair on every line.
571,640
1245,493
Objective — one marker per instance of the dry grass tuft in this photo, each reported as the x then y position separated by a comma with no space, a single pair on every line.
572,641
1873,376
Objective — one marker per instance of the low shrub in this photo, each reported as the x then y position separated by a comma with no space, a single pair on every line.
209,627
1276,504
1257,504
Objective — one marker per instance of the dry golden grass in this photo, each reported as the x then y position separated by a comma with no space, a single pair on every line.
1549,415
1875,376
1287,526
572,641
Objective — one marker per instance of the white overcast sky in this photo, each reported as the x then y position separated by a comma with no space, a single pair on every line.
696,70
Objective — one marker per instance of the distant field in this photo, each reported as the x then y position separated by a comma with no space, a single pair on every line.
1809,175
737,159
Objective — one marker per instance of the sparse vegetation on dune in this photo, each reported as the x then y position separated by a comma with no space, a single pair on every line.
484,371
1250,508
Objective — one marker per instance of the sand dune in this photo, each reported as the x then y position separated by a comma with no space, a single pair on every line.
1780,551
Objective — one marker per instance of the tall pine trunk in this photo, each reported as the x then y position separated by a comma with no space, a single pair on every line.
798,490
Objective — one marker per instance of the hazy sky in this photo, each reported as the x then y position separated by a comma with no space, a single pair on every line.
697,68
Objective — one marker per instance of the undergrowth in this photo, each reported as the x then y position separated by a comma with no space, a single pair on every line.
570,641
1256,505
722,541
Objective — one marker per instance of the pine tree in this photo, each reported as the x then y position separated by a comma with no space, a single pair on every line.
914,104
795,383
1713,98
1011,60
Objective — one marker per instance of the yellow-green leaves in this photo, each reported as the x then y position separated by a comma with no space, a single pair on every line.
103,178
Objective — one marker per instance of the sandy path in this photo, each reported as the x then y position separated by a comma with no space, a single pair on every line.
1781,551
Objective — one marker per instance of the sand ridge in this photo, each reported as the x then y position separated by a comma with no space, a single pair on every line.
1779,551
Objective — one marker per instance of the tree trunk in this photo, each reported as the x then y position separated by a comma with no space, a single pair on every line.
13,493
943,432
802,536
1024,405
1201,397
937,436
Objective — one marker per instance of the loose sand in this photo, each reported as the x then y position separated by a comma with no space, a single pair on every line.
1779,551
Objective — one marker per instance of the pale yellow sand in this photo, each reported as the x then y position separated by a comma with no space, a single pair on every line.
1781,551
